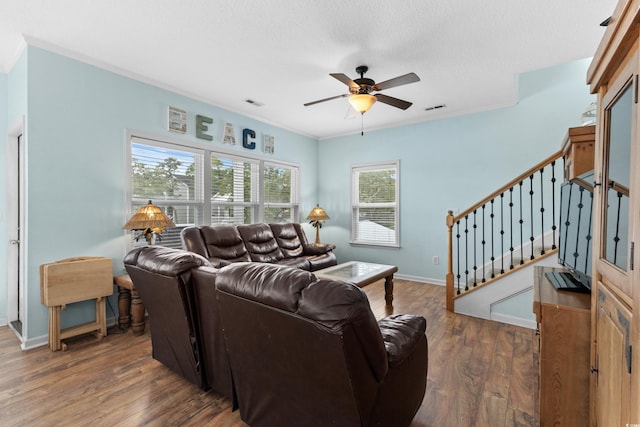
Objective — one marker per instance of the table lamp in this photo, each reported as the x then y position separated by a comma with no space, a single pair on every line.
315,218
149,220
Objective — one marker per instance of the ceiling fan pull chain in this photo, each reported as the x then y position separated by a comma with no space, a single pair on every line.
362,124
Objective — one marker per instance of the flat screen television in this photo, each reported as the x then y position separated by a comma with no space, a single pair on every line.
575,240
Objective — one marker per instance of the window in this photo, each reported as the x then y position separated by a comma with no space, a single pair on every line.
239,190
375,204
280,193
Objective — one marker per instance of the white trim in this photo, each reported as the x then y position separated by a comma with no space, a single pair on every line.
354,237
420,279
16,254
43,340
3,321
514,320
15,57
35,42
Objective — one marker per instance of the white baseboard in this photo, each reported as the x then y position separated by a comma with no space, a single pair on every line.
43,340
513,320
3,321
420,279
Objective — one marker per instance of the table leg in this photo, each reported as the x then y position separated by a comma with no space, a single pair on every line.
101,316
137,313
54,328
124,308
388,289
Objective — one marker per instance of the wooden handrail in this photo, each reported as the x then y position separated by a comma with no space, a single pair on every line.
451,220
508,185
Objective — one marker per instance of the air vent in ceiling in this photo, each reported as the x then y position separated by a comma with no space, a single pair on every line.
435,107
253,102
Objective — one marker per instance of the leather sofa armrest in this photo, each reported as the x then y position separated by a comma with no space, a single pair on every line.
401,333
321,249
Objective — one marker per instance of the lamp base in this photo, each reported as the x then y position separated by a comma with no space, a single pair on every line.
318,235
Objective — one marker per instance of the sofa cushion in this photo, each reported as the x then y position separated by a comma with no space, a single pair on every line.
224,244
192,241
260,243
165,261
288,240
269,284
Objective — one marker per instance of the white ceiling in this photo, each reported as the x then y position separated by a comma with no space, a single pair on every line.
280,52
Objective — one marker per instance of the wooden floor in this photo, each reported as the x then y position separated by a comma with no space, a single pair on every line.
481,373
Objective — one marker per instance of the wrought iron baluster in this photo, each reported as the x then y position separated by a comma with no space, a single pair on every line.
511,227
502,233
532,238
475,249
493,258
588,238
553,203
484,264
576,252
466,252
458,248
616,239
542,252
521,222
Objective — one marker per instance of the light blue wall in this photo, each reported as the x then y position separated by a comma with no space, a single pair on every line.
77,116
4,115
77,170
451,164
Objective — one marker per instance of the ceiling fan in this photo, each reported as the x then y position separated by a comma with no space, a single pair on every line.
360,89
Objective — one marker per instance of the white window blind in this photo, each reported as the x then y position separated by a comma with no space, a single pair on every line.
170,177
280,193
375,204
234,190
240,190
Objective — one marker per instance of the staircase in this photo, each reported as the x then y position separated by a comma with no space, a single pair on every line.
494,244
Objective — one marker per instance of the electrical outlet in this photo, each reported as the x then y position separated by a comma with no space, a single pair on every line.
436,260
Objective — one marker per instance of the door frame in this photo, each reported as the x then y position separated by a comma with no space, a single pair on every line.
16,304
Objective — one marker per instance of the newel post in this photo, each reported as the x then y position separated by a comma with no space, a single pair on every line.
449,277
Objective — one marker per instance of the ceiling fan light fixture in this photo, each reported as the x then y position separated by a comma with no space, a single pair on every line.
362,102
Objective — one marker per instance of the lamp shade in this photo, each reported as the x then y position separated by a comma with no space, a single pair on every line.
317,214
148,216
362,102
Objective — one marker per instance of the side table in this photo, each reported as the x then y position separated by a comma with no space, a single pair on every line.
130,305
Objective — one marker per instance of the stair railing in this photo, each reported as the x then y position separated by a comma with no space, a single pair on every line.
496,236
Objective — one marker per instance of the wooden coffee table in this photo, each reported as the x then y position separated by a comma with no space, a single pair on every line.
362,274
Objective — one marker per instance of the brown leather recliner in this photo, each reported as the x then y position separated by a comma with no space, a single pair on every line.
221,244
309,352
293,244
164,279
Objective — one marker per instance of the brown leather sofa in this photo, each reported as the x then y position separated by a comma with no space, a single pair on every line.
309,352
282,244
285,347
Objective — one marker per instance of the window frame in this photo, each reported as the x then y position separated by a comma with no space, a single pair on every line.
203,204
356,205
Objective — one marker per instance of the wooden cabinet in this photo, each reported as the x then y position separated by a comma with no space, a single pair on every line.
577,150
613,76
614,359
564,324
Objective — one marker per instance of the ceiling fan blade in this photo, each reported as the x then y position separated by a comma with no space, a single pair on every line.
345,79
326,99
395,102
397,81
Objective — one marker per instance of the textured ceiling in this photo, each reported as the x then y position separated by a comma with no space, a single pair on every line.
280,52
